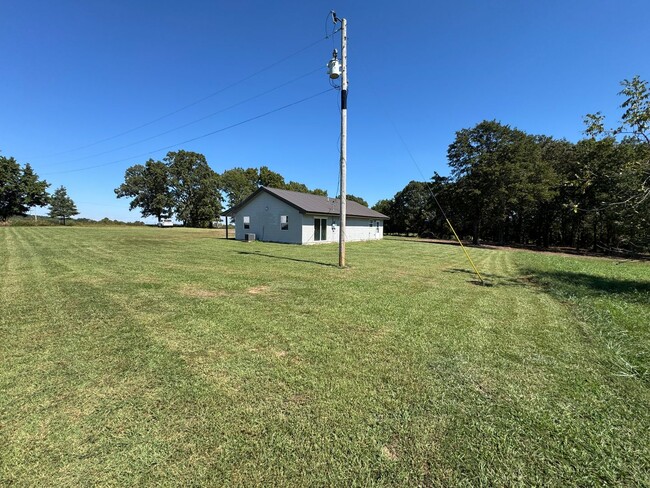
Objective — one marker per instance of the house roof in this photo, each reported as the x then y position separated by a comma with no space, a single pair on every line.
311,204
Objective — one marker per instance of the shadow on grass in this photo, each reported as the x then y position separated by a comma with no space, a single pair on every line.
511,246
320,263
589,284
490,278
444,242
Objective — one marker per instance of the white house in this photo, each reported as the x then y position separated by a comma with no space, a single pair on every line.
287,216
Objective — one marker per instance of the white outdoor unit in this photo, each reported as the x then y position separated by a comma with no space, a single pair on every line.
248,237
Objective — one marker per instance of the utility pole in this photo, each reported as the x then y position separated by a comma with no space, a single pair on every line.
334,70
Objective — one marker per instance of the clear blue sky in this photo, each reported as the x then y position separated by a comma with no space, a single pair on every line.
74,73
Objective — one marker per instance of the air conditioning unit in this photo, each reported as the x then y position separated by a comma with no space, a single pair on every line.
249,237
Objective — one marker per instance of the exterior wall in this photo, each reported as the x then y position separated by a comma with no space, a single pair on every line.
358,229
264,211
308,229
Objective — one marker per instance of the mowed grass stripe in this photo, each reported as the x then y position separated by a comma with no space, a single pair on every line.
181,358
98,392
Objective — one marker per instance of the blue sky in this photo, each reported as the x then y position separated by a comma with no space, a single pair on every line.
75,73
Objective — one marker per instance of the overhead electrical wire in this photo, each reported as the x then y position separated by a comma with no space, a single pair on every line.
196,102
437,202
278,109
428,186
191,122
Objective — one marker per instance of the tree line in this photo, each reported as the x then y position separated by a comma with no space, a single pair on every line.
507,186
184,186
21,189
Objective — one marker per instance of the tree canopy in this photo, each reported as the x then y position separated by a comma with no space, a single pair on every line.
20,189
148,186
194,188
238,183
353,198
507,186
183,184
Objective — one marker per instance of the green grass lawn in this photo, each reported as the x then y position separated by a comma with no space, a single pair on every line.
132,356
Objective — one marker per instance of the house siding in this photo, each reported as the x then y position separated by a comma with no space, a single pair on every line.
358,229
264,211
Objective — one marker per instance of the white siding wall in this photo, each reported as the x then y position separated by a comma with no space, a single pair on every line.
308,229
358,229
264,211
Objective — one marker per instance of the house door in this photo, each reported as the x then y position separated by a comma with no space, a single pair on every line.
320,229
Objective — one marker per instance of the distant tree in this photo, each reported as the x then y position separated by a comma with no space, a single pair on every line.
238,183
302,188
61,205
354,198
295,186
148,186
20,189
386,207
500,175
195,188
270,178
412,208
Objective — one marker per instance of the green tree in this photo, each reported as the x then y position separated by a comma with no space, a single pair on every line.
630,195
20,189
500,174
61,205
195,188
302,188
270,178
412,209
148,186
353,198
635,123
238,183
386,207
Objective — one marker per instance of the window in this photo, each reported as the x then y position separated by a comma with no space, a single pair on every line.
371,222
284,222
320,229
247,222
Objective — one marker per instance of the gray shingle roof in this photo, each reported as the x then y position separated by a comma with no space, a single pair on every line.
312,204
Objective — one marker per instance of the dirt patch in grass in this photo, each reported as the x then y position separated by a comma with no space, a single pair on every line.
258,290
196,292
389,452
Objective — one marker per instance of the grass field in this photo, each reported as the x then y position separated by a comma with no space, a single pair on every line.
133,356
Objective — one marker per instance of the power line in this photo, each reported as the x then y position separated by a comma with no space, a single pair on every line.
189,123
437,202
428,186
196,102
194,138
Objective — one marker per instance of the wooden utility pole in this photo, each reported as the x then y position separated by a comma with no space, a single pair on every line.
344,136
334,70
